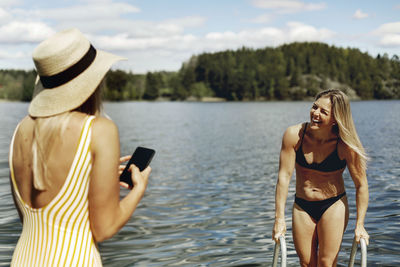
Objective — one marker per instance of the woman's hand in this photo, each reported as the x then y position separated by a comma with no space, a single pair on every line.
360,232
279,229
121,169
122,160
139,179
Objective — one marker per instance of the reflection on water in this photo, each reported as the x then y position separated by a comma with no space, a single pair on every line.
210,200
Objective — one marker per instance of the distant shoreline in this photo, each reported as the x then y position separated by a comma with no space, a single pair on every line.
212,100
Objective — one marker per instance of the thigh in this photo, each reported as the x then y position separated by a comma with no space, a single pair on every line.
304,236
330,230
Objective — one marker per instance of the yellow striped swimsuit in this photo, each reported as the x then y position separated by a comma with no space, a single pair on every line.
59,233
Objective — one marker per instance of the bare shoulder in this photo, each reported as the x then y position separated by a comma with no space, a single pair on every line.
104,131
292,135
345,151
26,120
24,132
26,123
102,123
293,132
294,129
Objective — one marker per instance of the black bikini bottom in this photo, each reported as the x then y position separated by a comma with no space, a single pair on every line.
317,208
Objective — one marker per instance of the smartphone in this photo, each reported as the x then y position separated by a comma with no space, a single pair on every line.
141,158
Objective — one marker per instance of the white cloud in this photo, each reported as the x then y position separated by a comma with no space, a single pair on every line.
267,36
287,6
7,3
167,52
265,18
4,16
137,29
107,16
124,42
389,34
170,27
91,11
270,36
148,45
360,15
393,27
121,42
391,40
214,41
18,32
299,32
97,1
187,22
10,55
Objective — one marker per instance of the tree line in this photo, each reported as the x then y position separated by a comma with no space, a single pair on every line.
289,72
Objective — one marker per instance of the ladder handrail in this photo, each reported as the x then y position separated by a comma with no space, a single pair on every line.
282,248
354,248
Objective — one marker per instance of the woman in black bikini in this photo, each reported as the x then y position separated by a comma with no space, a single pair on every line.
320,151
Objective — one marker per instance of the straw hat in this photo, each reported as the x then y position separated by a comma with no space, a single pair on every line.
69,70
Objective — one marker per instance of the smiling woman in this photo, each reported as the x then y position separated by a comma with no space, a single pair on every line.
320,151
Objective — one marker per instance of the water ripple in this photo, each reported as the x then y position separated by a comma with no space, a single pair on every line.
210,200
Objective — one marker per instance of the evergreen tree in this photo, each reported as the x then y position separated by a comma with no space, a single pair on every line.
28,85
290,71
153,83
295,79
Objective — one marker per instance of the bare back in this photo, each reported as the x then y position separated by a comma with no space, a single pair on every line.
58,161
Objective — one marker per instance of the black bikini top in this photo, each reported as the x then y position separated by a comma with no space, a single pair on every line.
329,164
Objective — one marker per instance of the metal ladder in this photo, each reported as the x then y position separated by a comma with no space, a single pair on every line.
282,247
354,248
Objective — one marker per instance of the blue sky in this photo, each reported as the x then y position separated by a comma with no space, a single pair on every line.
161,34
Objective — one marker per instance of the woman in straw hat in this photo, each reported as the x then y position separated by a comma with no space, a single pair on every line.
64,159
320,150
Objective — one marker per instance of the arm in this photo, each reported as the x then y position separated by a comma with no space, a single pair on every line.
286,167
361,184
107,213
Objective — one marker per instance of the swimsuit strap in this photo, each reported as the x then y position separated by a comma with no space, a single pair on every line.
304,133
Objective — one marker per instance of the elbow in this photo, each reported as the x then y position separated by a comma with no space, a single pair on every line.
284,178
361,186
99,239
360,181
362,190
101,234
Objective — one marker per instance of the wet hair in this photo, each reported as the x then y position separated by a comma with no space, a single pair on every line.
345,127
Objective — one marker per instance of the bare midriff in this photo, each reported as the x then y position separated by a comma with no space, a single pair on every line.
314,185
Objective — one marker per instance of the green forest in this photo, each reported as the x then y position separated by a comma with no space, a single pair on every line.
293,71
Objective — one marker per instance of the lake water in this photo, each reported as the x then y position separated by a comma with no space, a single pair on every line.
210,199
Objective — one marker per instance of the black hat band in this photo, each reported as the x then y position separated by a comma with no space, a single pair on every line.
70,73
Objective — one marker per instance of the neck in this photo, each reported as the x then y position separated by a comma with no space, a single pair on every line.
321,135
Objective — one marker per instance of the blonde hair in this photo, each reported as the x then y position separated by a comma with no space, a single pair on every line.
47,129
345,127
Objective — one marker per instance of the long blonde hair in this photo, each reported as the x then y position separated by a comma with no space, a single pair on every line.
345,127
47,129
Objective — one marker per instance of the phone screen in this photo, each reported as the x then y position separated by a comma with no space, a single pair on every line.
141,158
